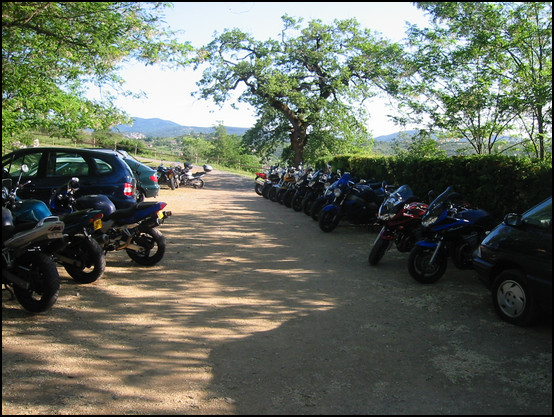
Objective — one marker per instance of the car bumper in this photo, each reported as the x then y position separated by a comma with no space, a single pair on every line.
483,269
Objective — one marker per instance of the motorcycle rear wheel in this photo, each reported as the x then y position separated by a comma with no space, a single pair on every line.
420,269
44,291
152,244
198,183
258,188
91,255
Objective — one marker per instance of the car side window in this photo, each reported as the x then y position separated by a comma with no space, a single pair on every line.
540,216
102,166
67,165
31,160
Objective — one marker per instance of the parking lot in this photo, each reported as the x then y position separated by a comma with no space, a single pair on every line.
255,310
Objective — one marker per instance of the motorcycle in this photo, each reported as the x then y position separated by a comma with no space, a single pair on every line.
317,188
302,177
277,190
452,229
273,177
357,202
262,178
133,229
167,176
302,187
400,214
187,178
81,256
28,272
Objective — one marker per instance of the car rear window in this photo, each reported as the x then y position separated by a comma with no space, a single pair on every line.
62,164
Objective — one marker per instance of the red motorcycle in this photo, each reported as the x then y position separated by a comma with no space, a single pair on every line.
400,214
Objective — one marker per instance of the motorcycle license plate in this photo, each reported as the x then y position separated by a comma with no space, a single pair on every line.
160,215
97,224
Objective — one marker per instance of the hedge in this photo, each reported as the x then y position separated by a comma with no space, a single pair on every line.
496,183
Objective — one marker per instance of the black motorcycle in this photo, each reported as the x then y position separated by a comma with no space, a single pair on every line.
187,178
167,176
357,202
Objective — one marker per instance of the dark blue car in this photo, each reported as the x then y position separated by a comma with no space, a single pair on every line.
99,172
515,262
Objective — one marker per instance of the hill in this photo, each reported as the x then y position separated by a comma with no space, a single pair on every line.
142,128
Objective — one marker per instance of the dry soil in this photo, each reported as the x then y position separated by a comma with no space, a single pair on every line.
255,310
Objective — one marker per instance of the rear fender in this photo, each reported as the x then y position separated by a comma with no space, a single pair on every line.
333,208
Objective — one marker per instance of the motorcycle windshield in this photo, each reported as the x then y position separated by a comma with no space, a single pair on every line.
438,205
396,200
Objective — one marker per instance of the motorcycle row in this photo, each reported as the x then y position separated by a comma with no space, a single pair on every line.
432,230
177,176
73,231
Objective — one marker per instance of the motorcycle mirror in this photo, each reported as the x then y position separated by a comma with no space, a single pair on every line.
24,168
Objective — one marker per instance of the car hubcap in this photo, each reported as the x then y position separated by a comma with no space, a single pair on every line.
511,298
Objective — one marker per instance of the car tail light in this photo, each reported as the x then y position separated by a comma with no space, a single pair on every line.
128,189
154,178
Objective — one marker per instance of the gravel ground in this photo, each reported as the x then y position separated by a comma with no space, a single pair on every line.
255,310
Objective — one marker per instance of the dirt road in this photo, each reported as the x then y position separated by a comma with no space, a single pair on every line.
255,310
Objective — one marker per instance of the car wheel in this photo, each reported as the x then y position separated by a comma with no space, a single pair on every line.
512,298
139,195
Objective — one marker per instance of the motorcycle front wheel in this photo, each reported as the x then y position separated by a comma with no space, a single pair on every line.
378,250
296,202
91,256
44,288
421,270
328,220
258,188
152,244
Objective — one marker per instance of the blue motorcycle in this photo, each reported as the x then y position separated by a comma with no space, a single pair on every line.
452,229
356,202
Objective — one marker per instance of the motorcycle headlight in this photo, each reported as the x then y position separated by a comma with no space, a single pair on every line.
385,217
429,221
337,192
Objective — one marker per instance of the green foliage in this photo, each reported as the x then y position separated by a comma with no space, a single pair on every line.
51,52
496,183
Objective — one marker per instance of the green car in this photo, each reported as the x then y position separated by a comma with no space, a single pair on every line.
147,180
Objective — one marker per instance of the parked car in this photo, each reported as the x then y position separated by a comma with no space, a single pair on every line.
99,172
515,262
147,180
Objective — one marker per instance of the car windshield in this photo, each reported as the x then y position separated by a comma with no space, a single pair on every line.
540,215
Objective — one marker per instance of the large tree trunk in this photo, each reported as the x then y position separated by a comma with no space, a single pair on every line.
298,141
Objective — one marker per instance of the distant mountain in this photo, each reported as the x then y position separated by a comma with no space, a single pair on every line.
142,128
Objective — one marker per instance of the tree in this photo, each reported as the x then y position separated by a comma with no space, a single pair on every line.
309,84
52,50
484,70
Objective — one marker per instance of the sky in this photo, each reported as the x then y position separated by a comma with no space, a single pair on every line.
169,91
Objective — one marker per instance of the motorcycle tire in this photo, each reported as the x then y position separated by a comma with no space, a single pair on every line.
272,194
296,202
378,250
307,202
172,183
258,188
91,255
287,197
265,190
152,243
513,300
328,220
44,290
419,268
316,206
198,183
